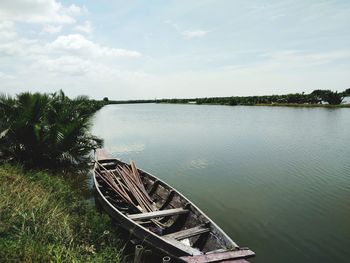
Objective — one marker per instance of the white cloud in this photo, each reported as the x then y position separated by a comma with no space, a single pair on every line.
65,45
291,58
5,76
6,25
22,47
51,29
74,10
64,65
194,33
275,17
38,11
85,28
77,44
7,30
187,33
174,25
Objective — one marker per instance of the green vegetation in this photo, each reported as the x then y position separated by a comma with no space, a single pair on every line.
346,92
314,98
43,220
333,98
129,101
305,105
45,131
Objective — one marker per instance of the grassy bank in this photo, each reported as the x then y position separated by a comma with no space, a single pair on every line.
43,220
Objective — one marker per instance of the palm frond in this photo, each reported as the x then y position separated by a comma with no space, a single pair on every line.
47,131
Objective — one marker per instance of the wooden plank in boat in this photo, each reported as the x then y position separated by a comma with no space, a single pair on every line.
183,247
215,257
236,261
155,214
190,232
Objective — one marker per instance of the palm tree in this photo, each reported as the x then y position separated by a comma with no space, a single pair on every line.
47,131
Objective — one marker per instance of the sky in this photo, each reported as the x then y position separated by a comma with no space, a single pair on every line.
174,49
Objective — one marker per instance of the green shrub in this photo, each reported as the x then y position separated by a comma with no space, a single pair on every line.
47,131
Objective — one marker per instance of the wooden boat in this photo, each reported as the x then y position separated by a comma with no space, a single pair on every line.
185,233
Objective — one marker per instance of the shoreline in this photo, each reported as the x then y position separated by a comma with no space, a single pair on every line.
270,105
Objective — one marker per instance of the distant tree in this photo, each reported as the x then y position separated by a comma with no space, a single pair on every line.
333,98
320,93
346,92
105,99
232,101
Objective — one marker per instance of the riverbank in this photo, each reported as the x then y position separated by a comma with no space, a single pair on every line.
42,219
268,105
304,105
317,97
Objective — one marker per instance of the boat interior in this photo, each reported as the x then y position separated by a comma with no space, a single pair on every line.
175,219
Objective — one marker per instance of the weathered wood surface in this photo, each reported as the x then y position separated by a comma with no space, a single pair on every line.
234,261
222,256
155,214
194,231
182,246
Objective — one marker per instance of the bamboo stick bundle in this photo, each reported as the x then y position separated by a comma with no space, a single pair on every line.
112,176
143,200
135,177
117,189
138,177
109,180
128,185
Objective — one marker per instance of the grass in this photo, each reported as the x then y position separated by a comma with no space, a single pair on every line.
43,220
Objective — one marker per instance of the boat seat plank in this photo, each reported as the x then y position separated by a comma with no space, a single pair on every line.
183,247
215,257
235,261
190,232
155,214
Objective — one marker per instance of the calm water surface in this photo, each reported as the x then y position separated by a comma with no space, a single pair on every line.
275,179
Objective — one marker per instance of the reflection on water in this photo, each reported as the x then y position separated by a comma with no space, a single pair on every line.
198,164
275,179
127,148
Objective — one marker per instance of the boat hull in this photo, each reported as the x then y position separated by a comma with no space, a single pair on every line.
138,231
152,239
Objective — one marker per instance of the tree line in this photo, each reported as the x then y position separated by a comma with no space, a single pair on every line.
315,97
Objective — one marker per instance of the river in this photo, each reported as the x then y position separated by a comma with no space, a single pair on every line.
275,179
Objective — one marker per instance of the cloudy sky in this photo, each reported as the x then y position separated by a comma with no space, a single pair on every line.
161,49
